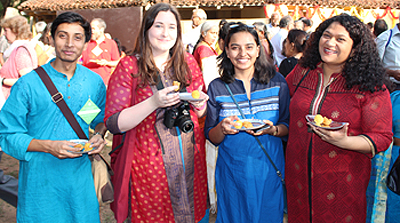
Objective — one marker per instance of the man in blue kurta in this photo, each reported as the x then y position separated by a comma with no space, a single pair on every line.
55,184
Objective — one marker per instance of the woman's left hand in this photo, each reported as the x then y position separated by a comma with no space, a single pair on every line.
270,130
331,136
200,104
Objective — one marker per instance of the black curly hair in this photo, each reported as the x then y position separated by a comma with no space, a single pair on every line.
363,68
263,69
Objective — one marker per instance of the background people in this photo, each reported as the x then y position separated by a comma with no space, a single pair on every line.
199,16
205,54
262,34
340,76
380,26
55,182
20,57
158,167
273,25
246,194
285,25
293,48
101,54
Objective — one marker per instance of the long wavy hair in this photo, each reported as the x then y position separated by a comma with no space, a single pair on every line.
263,69
176,67
19,26
363,68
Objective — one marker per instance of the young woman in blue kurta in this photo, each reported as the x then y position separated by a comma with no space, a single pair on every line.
248,188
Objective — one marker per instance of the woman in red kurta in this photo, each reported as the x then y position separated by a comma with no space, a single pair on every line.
340,77
165,168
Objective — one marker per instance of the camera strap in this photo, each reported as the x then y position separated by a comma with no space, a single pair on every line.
162,81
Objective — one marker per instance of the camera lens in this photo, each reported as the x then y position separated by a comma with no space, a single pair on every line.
186,126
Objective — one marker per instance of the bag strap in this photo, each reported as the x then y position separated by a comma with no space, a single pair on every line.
58,98
278,172
301,81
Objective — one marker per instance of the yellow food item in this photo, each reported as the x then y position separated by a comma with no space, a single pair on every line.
176,83
247,124
318,119
238,124
80,146
195,94
326,122
322,121
87,147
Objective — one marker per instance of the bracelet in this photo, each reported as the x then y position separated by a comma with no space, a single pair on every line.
276,131
98,133
2,81
201,108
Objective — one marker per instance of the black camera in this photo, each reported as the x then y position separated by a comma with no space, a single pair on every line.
179,115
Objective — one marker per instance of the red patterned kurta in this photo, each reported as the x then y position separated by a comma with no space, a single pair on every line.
150,197
323,180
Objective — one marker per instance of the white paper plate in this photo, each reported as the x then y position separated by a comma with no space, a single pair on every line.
257,125
334,125
186,96
81,142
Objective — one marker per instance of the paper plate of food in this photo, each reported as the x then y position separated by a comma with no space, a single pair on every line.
324,122
83,145
194,96
249,124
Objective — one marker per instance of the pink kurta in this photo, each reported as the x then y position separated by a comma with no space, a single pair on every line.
141,152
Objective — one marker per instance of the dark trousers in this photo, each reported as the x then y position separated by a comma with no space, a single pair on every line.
8,187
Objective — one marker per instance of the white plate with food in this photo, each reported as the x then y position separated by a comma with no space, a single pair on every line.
83,145
324,122
249,124
186,96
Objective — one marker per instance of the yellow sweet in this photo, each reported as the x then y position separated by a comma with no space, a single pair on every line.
176,83
196,94
247,124
326,122
318,119
238,124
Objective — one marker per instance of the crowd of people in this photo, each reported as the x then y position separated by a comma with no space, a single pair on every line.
178,156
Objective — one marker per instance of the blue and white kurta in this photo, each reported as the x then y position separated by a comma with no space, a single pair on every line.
248,187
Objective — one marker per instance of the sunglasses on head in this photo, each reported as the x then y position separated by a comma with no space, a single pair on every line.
237,25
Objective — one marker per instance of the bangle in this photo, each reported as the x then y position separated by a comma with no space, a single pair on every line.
276,131
201,108
2,81
98,133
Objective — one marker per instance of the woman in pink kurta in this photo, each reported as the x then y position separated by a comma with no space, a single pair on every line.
340,77
160,170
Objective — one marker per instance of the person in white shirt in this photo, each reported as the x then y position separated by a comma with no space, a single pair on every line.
273,26
388,44
285,25
189,39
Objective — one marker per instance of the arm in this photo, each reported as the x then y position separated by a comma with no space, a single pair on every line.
24,61
376,124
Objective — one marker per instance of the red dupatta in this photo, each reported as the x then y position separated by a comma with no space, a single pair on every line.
121,159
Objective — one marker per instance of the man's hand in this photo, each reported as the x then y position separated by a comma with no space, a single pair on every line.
98,143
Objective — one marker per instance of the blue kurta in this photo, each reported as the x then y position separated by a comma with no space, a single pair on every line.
51,189
248,187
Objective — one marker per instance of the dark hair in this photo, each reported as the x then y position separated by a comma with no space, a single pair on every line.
264,70
370,25
363,68
260,26
72,17
223,31
177,65
45,35
306,21
285,21
299,38
380,26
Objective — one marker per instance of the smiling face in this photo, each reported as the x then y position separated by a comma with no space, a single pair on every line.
163,33
335,45
69,42
211,35
243,51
